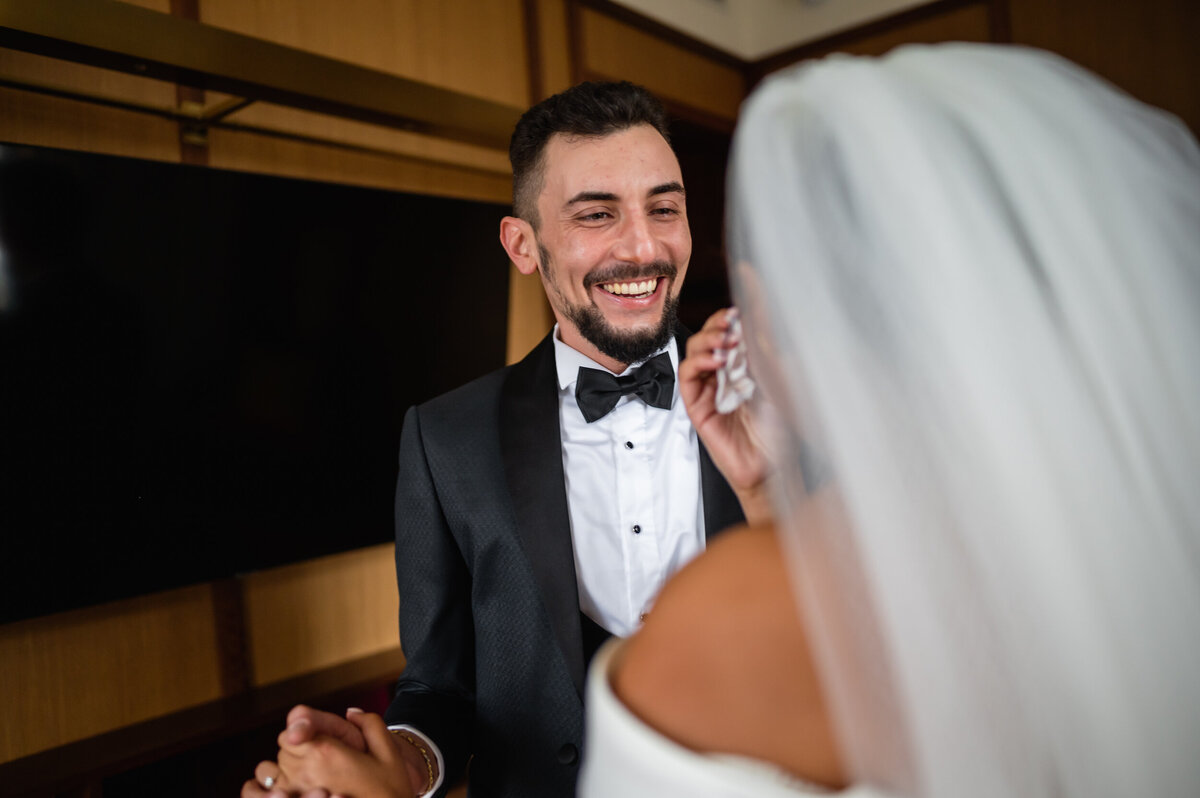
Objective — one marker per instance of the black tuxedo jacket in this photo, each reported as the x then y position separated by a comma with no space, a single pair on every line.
489,606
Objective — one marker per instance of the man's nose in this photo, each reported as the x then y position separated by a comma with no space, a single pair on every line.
637,242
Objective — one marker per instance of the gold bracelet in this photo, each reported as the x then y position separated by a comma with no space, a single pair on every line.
403,735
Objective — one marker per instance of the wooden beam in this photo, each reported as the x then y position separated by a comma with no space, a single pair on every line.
139,41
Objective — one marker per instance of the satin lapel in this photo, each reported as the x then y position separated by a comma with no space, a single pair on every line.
531,446
721,507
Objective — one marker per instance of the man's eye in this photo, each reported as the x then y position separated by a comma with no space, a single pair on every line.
597,216
665,212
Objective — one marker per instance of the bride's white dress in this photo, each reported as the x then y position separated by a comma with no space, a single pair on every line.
628,759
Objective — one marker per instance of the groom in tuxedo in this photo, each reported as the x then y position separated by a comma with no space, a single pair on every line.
540,508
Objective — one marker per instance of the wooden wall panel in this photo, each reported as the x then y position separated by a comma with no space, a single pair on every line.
1147,47
529,314
967,24
250,152
320,612
473,46
80,673
21,66
27,118
614,50
970,22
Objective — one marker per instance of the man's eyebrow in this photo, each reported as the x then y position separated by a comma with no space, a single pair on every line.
667,188
591,196
674,187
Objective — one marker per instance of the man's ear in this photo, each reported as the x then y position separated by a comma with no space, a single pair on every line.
518,239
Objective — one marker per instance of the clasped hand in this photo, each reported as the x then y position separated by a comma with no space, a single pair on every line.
322,755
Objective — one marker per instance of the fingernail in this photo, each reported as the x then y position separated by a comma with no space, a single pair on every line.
720,355
731,314
300,723
355,710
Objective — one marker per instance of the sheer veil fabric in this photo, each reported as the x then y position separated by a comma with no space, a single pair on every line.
971,276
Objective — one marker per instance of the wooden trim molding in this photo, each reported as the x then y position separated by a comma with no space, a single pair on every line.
229,619
578,57
554,47
210,121
533,50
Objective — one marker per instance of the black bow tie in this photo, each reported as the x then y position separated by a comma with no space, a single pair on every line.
598,391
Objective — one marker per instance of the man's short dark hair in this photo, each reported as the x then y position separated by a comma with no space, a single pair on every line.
588,109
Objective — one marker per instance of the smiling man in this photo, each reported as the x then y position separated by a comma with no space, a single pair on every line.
541,508
608,233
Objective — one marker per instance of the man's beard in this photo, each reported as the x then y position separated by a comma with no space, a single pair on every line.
624,346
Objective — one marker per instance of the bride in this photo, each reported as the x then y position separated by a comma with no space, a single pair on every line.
970,283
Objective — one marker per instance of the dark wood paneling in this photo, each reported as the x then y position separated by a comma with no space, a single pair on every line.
947,20
1147,47
703,153
656,28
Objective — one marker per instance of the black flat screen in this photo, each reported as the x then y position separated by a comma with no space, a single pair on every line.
203,373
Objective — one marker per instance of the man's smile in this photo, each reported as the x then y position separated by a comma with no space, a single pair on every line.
632,287
637,288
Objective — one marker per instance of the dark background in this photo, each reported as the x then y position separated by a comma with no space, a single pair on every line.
703,154
204,373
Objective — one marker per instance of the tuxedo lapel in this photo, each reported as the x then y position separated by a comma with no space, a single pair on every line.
531,448
721,507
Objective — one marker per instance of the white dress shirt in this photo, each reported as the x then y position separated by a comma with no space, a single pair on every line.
633,496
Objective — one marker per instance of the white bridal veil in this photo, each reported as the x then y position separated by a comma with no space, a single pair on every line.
971,276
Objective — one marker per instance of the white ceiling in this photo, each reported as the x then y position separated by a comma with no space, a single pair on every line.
753,29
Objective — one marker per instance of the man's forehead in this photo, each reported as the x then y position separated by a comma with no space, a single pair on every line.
590,163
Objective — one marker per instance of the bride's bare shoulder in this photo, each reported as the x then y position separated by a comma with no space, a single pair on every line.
722,663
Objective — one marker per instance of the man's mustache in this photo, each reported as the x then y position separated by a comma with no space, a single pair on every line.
627,272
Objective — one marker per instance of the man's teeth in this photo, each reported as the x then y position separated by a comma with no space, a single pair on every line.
632,289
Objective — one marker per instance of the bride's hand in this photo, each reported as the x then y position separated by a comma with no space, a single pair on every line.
323,762
731,439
